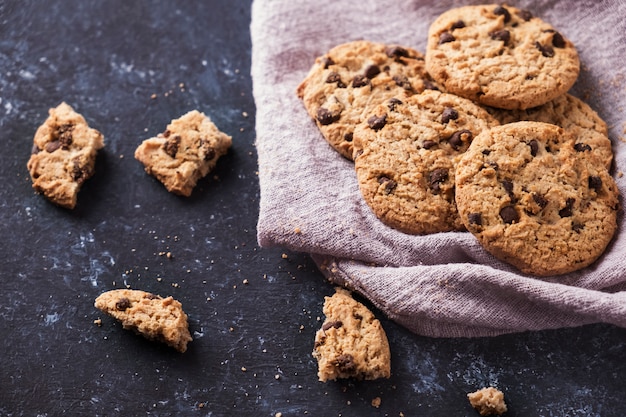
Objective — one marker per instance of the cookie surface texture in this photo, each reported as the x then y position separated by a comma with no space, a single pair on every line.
351,342
500,56
351,79
536,200
406,155
574,116
155,318
184,153
63,155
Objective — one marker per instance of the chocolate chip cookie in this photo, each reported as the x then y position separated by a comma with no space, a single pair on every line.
351,343
63,155
405,159
184,153
351,79
535,199
500,56
155,318
574,116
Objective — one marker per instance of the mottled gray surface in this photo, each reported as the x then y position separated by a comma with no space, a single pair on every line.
107,59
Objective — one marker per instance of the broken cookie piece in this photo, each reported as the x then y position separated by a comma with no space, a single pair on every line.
155,318
351,342
184,153
488,401
64,155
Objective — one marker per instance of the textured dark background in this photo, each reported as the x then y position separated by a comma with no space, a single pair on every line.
130,67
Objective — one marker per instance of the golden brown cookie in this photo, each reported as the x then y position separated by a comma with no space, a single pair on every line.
351,342
574,116
535,199
64,155
351,79
488,401
155,318
185,152
405,159
500,56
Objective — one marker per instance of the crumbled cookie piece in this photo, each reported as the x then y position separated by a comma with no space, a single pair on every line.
63,155
351,342
155,318
184,153
488,401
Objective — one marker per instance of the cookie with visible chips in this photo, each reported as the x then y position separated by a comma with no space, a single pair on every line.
536,200
351,79
405,159
500,56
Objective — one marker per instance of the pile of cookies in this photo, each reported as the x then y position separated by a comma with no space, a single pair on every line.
478,134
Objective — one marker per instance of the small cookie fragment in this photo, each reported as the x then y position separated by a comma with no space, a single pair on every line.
350,80
351,342
63,155
184,153
488,401
500,56
155,318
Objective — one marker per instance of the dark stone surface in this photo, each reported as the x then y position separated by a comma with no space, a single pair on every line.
130,67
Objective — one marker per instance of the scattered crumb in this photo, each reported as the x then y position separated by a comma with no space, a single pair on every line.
277,377
278,415
153,96
244,114
284,256
620,174
98,322
231,329
297,231
243,369
488,401
376,402
246,282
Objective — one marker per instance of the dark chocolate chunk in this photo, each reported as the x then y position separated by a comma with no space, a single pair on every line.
446,37
393,103
500,10
396,52
209,151
581,147
540,200
326,117
430,85
35,149
64,135
152,297
402,81
475,218
456,140
449,114
486,151
546,50
348,137
52,146
333,78
327,62
79,173
534,147
377,122
577,227
372,71
525,14
360,81
171,145
459,24
567,210
501,35
336,324
345,363
595,183
429,144
558,41
436,177
122,304
508,187
389,184
166,134
509,215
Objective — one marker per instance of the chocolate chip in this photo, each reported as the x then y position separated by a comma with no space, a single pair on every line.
501,35
493,164
396,52
429,144
326,117
546,50
171,145
377,122
459,24
446,37
509,215
333,78
567,210
209,151
437,177
64,135
360,81
152,297
475,218
327,62
345,363
504,12
348,137
402,81
534,147
595,183
540,200
330,324
35,149
372,71
122,304
577,227
357,316
166,134
393,103
508,187
389,184
430,85
449,114
456,140
52,146
486,151
525,14
558,41
581,147
79,173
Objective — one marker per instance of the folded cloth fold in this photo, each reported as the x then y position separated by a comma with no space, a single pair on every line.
444,284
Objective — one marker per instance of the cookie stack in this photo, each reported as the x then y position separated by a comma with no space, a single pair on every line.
479,135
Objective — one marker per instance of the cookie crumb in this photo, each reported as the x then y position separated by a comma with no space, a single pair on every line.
376,402
488,401
98,322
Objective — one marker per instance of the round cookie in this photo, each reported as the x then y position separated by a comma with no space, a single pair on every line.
351,79
574,116
536,200
500,56
405,158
